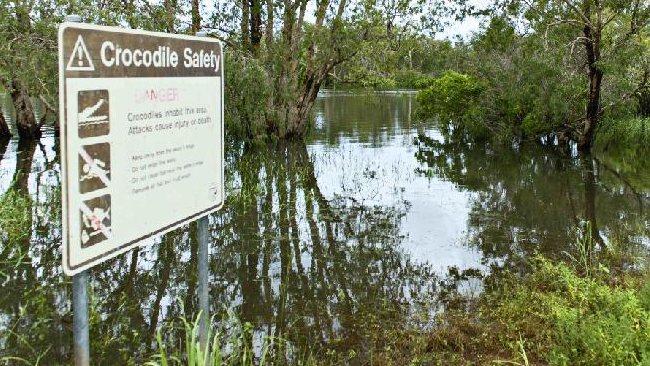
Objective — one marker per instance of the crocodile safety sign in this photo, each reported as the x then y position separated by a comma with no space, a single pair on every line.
141,122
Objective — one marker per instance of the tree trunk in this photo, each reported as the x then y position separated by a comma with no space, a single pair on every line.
245,16
196,16
25,120
170,15
595,75
593,112
256,26
5,132
269,24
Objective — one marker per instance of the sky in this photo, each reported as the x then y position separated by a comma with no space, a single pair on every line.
466,27
463,29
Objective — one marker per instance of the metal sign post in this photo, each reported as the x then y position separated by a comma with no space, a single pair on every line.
203,288
80,326
203,269
80,319
141,121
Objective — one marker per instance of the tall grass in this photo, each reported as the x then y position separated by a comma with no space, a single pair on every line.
224,348
15,216
15,227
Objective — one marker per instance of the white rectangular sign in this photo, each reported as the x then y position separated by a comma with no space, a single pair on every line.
141,121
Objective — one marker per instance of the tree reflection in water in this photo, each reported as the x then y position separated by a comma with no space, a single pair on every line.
284,258
532,198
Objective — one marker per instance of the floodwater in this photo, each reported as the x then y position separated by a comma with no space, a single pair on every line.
374,219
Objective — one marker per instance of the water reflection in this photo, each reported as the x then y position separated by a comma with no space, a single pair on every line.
532,199
285,258
319,242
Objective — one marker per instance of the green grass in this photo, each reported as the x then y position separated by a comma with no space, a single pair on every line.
15,216
593,309
229,345
15,229
574,320
624,133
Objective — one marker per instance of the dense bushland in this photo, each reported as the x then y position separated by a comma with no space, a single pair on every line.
540,83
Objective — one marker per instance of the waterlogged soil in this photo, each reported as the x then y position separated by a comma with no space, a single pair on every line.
377,217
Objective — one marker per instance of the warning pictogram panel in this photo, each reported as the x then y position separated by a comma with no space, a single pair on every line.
94,167
95,217
93,117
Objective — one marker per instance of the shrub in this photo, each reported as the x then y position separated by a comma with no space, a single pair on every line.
378,82
247,93
412,79
453,97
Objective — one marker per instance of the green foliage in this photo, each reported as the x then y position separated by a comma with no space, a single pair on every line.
452,97
28,45
624,133
377,82
573,320
412,79
15,216
534,85
594,322
247,92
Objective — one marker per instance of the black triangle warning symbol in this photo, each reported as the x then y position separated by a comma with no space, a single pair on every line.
80,58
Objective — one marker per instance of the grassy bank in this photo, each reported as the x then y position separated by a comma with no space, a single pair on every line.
553,316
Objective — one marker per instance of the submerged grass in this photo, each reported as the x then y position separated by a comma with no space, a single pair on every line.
15,227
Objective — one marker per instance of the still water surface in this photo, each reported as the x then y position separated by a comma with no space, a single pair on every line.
374,219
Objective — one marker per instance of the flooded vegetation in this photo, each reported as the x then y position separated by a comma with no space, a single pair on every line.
377,222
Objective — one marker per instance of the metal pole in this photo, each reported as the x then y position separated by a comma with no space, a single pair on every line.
80,319
80,326
204,253
203,288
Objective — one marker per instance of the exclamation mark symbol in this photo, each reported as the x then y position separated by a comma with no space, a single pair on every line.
80,57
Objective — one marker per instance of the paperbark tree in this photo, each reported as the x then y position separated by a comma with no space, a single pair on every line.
603,30
26,124
297,50
196,16
170,15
